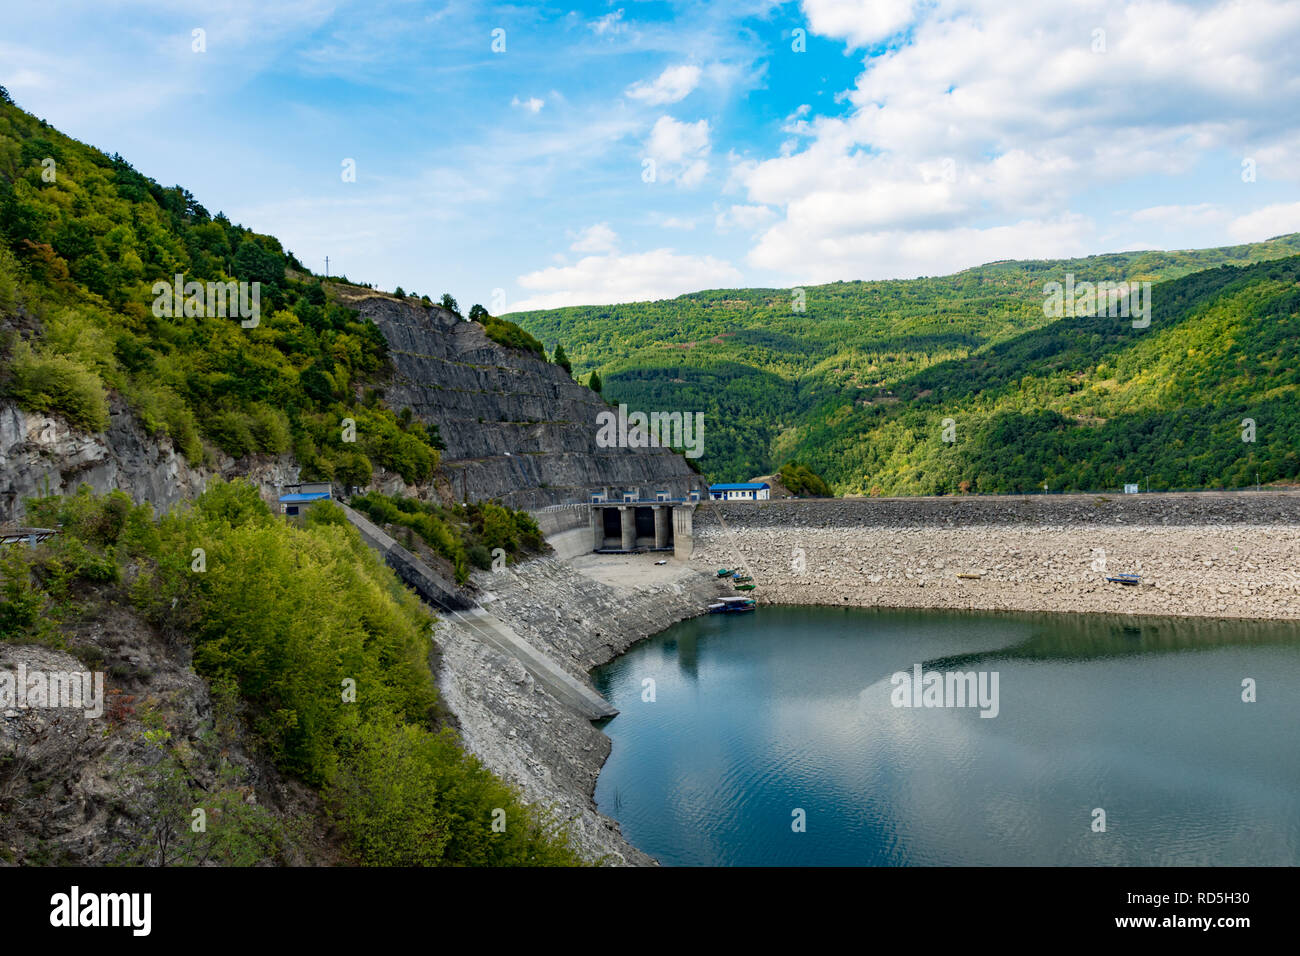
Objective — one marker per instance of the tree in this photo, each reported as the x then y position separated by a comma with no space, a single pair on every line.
561,359
254,263
477,313
449,303
5,97
594,383
399,292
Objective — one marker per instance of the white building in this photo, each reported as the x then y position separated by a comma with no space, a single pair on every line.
741,491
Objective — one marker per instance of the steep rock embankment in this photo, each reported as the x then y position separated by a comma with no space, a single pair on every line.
580,613
517,428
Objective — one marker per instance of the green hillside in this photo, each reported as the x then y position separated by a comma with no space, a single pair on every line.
83,240
856,387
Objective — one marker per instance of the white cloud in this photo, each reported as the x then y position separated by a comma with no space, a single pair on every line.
610,23
974,139
860,22
672,85
746,218
532,104
1265,223
1200,214
674,222
600,280
680,150
595,238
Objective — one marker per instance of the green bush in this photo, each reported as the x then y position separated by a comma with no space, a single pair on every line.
506,333
800,480
21,603
58,385
464,536
269,428
405,796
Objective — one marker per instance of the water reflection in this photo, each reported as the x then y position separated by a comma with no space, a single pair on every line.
791,708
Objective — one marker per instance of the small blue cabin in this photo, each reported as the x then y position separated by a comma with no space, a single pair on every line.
741,491
298,498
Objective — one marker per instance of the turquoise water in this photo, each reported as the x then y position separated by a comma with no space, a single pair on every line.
789,709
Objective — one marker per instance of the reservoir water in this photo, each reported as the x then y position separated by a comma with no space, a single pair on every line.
783,737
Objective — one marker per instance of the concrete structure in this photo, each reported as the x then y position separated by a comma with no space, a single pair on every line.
299,497
741,491
625,522
433,587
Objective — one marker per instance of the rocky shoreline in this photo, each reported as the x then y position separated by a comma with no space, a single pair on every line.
1234,556
582,613
1202,555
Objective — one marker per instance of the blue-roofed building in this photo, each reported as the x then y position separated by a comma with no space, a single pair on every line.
298,498
741,491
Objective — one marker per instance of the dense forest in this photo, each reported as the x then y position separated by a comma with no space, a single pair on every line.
962,383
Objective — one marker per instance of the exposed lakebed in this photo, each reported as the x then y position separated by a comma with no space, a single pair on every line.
778,738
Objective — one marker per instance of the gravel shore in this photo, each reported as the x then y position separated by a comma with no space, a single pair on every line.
1197,555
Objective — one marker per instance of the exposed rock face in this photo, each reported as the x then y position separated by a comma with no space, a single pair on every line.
41,454
517,429
71,784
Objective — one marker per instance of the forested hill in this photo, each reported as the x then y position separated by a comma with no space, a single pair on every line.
858,384
83,239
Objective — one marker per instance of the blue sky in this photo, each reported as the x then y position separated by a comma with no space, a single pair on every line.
905,138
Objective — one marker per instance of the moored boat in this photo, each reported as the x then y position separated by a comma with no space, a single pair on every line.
1125,579
732,605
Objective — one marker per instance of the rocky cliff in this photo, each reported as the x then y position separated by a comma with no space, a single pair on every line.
517,428
40,454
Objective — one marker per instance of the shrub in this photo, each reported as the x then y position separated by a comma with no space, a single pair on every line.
230,431
59,385
21,603
479,556
405,796
269,428
512,336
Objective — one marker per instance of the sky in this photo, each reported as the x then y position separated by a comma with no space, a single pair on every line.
533,155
